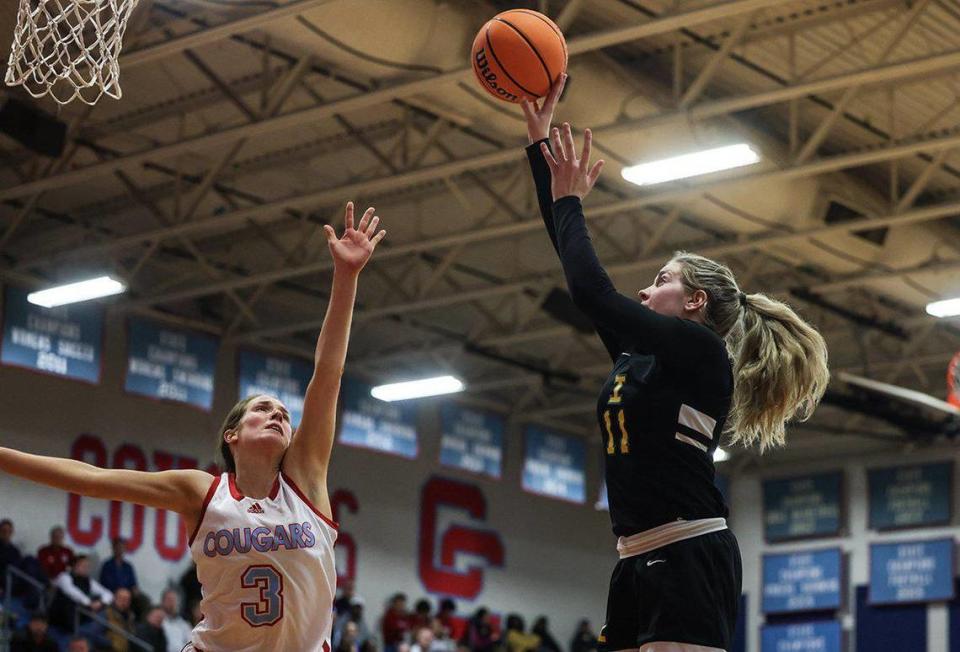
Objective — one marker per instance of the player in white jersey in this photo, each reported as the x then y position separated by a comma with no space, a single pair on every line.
261,533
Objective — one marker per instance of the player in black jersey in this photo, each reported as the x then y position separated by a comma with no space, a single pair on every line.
693,359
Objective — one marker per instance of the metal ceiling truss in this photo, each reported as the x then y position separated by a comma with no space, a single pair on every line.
438,280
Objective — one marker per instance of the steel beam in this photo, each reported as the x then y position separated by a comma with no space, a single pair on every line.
270,211
428,85
763,242
212,34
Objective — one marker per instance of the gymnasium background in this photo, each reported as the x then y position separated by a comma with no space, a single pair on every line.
244,127
527,553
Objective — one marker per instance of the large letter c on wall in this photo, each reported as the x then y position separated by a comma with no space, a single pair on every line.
445,578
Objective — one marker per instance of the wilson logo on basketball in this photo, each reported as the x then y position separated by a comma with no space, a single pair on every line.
490,78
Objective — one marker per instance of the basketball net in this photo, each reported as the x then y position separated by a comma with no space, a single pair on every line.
68,49
953,381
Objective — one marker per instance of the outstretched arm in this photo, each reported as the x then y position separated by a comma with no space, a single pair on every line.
590,286
538,119
178,491
307,458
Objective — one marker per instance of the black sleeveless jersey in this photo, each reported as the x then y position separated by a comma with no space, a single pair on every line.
662,408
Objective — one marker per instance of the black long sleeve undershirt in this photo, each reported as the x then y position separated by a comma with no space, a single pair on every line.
620,321
678,340
541,179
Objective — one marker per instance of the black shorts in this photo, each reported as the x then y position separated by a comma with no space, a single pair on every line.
685,592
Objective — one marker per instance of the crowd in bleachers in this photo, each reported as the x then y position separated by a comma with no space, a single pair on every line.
425,629
50,608
52,595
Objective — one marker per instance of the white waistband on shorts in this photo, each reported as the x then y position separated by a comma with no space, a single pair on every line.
662,535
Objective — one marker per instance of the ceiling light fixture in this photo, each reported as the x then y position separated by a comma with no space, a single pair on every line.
691,165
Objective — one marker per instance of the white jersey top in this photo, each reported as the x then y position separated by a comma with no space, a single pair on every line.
267,570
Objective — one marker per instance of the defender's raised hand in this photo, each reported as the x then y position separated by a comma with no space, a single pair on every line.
570,175
353,249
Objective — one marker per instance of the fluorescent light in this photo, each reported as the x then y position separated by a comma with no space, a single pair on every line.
720,455
945,308
417,388
61,295
691,165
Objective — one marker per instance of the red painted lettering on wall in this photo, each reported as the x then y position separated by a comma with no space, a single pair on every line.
90,449
446,579
345,498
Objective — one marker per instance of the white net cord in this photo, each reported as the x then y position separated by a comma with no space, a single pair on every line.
69,48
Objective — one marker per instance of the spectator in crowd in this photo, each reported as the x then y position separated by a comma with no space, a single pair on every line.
420,616
547,642
342,604
583,639
518,640
120,615
55,557
353,615
190,586
76,587
348,638
423,640
442,642
395,623
480,635
175,628
454,627
78,644
9,553
117,572
151,630
35,637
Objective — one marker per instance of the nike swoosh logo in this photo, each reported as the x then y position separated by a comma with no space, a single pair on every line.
655,561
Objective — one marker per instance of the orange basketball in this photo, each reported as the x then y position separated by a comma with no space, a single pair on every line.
518,54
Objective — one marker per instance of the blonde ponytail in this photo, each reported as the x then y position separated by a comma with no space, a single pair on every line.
779,369
779,361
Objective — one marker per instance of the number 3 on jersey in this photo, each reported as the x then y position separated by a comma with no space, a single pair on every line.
616,399
269,609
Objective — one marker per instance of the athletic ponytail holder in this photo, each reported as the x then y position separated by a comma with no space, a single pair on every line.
743,299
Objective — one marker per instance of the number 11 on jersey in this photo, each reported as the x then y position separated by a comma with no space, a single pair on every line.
616,399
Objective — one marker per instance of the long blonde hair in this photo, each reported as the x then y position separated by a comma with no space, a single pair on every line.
779,361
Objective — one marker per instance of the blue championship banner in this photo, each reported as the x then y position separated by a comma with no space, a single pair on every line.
367,422
65,341
809,506
169,363
471,440
911,571
803,581
554,465
910,496
821,636
281,377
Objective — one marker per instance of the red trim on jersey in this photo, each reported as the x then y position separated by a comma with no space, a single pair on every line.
203,508
303,497
232,483
274,490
